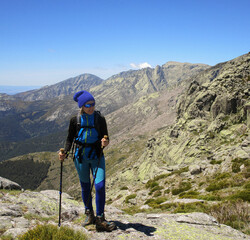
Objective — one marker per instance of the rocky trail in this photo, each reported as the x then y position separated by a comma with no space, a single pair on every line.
23,210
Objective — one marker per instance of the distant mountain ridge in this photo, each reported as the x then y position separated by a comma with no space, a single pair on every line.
127,87
64,88
145,80
29,116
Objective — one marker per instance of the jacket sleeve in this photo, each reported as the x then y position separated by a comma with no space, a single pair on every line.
104,128
71,134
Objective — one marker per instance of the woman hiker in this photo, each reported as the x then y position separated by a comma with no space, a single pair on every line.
88,131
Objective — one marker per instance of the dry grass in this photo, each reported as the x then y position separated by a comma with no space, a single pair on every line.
234,214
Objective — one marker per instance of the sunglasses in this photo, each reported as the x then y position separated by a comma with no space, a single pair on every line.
89,105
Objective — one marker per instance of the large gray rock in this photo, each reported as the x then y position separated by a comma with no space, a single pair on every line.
221,89
224,104
8,184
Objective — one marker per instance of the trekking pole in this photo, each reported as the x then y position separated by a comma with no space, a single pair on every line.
60,190
94,176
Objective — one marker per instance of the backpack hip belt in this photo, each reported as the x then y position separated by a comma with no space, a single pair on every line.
94,146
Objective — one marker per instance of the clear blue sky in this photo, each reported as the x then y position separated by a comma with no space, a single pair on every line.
43,42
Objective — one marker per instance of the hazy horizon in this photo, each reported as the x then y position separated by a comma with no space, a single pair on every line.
11,90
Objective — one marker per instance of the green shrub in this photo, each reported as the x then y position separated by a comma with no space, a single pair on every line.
168,206
221,176
45,232
157,193
124,188
130,197
211,135
176,191
118,197
133,210
6,237
237,162
183,186
152,203
191,207
201,183
246,172
109,201
161,176
209,197
242,161
243,195
179,171
156,188
247,185
215,162
237,180
151,183
236,224
167,191
226,118
236,167
189,194
160,200
149,201
214,186
155,202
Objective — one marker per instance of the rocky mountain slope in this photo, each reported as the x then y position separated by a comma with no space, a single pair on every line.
21,211
209,114
205,155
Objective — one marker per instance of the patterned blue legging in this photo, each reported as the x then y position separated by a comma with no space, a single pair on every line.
83,170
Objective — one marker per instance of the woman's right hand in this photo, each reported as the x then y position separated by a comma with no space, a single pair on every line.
61,155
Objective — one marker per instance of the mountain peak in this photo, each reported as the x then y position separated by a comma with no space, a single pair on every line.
64,88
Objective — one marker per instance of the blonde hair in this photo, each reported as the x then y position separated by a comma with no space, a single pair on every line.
81,111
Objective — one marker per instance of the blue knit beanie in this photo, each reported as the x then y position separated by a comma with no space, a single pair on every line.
82,97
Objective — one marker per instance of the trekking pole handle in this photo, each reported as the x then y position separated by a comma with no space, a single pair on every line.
62,150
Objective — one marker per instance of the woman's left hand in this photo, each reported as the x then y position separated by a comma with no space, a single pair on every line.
105,142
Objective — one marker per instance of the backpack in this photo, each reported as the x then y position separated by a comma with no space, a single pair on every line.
78,146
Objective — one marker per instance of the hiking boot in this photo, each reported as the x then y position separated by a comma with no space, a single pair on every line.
103,225
90,218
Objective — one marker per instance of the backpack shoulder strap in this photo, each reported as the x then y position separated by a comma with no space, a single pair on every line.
97,122
78,122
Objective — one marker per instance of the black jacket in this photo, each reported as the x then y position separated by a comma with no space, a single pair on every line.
100,125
